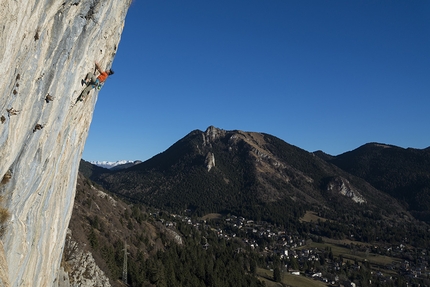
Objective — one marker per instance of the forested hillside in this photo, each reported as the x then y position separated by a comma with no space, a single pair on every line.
166,249
163,250
402,173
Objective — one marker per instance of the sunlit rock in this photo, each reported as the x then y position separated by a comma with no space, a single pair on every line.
46,48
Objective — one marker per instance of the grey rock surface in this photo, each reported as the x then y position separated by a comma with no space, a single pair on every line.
83,271
46,48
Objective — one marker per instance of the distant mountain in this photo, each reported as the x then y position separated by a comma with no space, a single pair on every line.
125,165
90,170
113,164
253,174
402,173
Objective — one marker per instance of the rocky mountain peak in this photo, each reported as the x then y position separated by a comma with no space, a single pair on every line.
212,133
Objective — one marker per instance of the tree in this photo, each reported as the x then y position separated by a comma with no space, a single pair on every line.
306,266
253,267
156,274
277,274
93,239
294,264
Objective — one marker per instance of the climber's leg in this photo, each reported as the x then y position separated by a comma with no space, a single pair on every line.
90,76
85,93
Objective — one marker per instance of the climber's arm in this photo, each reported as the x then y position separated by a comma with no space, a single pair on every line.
98,68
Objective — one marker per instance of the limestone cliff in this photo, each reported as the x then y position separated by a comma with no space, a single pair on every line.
46,48
82,268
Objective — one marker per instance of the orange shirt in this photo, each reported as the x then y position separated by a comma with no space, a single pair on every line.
102,77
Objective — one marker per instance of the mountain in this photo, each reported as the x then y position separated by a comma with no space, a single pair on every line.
126,165
90,170
402,173
46,49
246,197
252,174
120,164
109,164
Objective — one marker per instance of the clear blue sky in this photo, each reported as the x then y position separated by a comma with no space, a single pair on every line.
321,75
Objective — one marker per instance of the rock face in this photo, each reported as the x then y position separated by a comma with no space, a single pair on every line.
211,134
210,161
83,268
343,187
46,48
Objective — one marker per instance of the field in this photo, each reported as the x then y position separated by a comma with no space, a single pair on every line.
311,216
211,216
348,254
337,246
288,280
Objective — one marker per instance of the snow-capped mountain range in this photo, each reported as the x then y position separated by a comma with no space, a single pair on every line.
111,164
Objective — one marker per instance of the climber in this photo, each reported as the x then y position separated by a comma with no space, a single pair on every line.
100,79
93,82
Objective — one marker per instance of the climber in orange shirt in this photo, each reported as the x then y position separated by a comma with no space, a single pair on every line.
94,82
100,79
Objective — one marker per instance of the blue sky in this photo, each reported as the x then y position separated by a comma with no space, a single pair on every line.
321,75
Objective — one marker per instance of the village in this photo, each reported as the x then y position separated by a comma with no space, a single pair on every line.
313,258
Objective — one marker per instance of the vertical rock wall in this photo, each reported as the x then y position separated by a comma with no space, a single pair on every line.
46,47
